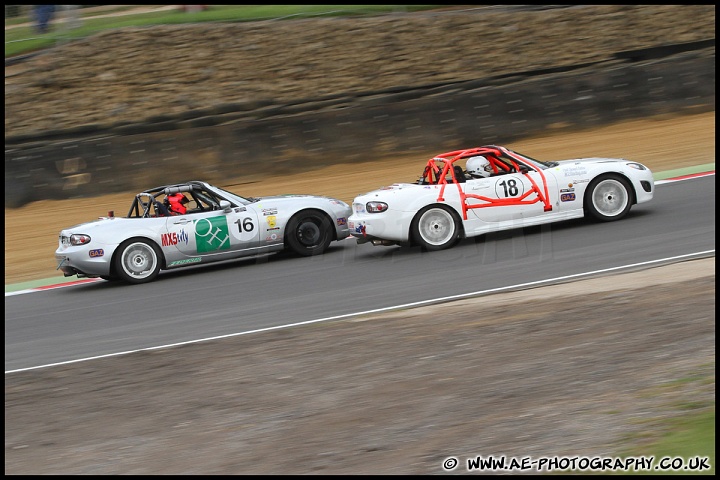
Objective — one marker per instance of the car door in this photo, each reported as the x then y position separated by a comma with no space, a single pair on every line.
212,233
499,197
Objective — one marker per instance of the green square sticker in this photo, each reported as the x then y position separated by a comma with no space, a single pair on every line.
212,234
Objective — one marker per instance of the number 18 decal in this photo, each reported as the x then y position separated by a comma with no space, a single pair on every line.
509,187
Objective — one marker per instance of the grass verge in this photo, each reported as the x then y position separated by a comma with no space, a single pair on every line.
23,39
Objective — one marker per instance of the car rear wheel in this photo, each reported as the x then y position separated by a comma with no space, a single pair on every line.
309,233
436,228
608,198
138,261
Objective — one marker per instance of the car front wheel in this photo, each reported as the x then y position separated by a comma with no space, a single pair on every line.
138,261
436,228
309,233
608,198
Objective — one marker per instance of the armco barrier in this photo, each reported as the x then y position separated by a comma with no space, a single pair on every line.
238,141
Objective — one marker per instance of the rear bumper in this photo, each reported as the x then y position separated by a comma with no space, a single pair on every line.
71,265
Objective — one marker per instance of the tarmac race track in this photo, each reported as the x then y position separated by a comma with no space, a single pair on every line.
239,296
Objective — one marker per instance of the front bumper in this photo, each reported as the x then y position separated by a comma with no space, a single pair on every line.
387,228
644,187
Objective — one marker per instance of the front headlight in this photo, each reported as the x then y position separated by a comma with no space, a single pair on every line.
636,166
376,207
79,239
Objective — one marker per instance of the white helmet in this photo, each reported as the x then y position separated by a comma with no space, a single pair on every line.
479,167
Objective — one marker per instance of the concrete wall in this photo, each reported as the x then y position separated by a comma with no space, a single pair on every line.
250,140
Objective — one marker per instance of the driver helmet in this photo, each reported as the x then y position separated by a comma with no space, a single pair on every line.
479,166
177,203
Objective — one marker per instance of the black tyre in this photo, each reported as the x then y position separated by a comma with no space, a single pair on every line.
109,278
608,198
309,233
137,261
435,227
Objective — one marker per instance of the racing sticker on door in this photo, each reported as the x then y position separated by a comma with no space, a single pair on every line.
246,230
212,234
509,187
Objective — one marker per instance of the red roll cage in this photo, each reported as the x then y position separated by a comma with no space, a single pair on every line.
515,163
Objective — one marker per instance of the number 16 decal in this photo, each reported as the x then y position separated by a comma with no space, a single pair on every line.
245,229
246,225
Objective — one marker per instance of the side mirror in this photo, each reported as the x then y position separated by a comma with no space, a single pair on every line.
225,206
